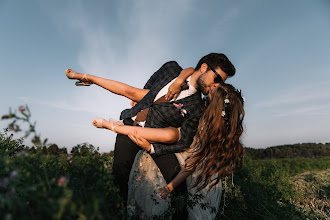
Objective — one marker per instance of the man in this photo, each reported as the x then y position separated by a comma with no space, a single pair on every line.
211,70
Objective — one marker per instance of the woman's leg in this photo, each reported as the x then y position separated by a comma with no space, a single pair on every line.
164,135
115,87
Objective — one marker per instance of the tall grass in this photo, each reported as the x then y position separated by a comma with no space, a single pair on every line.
37,186
264,190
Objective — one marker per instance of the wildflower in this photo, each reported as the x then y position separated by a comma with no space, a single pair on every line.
21,108
223,113
226,100
13,174
62,181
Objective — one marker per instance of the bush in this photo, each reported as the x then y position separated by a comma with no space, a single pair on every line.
80,185
37,186
8,145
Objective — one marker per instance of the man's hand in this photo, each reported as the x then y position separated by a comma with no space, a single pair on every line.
142,142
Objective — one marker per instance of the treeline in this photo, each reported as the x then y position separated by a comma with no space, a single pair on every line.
84,149
304,150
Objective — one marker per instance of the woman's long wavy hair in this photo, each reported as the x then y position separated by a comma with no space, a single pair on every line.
216,147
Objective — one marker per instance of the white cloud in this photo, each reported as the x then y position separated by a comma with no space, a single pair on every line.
308,99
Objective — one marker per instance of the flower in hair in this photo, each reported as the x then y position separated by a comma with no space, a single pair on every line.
240,92
225,102
223,113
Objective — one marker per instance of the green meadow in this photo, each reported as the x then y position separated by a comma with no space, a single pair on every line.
46,183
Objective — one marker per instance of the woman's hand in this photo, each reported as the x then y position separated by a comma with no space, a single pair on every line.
163,192
133,103
142,142
173,90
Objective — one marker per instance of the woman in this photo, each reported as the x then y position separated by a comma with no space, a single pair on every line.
215,153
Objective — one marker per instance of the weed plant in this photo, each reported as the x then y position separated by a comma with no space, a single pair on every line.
80,186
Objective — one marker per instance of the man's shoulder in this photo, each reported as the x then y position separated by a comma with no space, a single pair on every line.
171,64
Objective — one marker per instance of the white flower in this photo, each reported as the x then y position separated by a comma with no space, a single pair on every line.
243,99
223,113
226,100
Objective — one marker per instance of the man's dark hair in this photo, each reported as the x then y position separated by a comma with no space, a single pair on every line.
217,60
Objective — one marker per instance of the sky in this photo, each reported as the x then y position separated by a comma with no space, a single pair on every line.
281,51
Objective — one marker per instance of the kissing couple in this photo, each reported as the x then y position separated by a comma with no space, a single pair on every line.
172,143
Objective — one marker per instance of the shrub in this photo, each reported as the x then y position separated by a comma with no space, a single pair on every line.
37,186
8,145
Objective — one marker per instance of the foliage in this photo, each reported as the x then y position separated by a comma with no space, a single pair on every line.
314,192
85,149
37,186
263,189
24,115
8,145
46,183
306,150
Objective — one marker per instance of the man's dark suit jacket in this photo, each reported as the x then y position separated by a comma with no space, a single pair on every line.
165,114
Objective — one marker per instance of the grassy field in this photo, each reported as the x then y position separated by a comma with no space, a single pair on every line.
80,186
313,189
267,189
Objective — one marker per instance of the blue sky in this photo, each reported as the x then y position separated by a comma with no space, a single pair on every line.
281,52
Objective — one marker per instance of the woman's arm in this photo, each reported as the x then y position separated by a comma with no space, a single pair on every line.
175,87
163,135
182,175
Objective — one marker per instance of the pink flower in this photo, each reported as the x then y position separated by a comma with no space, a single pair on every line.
139,178
21,108
62,181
